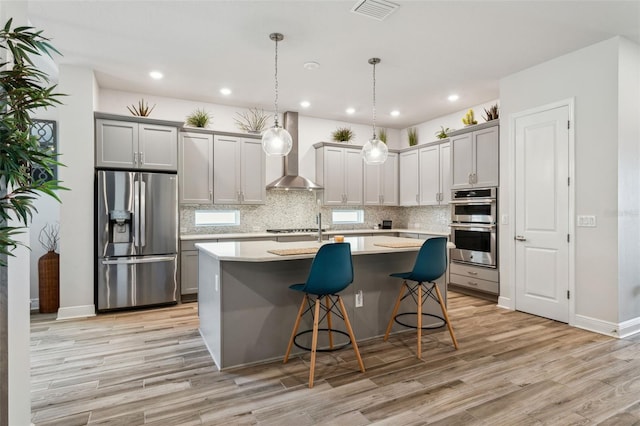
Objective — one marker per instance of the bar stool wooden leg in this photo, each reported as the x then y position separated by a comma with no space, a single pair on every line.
295,328
419,320
328,305
351,335
314,341
395,310
446,316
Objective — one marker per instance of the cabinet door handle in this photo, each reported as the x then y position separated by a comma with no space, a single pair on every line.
382,199
475,178
472,283
141,158
135,158
472,273
418,198
520,238
210,195
242,196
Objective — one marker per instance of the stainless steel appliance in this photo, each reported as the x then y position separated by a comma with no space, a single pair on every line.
136,239
473,226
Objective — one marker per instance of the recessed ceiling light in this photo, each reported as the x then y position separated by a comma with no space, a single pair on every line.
311,65
305,104
350,110
395,113
453,97
225,91
156,75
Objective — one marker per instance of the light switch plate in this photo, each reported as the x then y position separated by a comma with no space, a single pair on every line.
359,299
587,221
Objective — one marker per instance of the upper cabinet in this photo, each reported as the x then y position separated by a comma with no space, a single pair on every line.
196,168
474,158
136,145
435,174
425,175
238,170
381,182
339,170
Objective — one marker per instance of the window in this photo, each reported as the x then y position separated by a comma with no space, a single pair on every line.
340,217
217,217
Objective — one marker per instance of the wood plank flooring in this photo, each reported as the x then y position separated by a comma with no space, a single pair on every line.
151,367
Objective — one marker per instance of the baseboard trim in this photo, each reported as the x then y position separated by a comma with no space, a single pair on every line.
506,303
629,328
81,311
597,326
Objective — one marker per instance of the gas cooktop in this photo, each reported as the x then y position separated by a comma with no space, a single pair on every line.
292,230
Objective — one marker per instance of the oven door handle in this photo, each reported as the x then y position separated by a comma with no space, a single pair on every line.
474,201
472,225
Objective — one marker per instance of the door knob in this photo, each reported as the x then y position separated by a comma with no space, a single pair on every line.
520,238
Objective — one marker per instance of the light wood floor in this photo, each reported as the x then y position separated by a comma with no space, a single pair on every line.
151,367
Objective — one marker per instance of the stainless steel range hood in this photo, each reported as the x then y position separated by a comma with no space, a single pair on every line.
291,179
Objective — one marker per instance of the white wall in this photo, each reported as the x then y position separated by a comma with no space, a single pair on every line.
629,180
589,75
76,212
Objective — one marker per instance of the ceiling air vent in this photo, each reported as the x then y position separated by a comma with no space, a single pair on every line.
376,9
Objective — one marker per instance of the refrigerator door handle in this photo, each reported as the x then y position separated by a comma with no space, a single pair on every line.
143,212
130,261
136,214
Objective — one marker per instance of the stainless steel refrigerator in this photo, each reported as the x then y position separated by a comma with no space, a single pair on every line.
137,239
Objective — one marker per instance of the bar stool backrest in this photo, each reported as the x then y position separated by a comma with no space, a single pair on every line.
331,270
431,261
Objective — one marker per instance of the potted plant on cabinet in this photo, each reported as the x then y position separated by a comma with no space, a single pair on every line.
49,270
198,118
342,134
253,120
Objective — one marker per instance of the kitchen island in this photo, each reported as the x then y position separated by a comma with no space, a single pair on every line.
247,310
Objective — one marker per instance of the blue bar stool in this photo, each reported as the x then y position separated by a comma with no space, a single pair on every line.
331,272
431,264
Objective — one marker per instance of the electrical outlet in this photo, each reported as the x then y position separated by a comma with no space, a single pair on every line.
359,299
587,221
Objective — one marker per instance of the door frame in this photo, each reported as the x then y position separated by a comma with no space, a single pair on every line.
570,103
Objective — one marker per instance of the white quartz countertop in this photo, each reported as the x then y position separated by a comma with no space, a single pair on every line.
258,251
240,235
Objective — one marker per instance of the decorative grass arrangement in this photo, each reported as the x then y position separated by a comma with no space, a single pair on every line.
142,110
342,134
252,121
199,118
412,133
382,134
444,132
492,113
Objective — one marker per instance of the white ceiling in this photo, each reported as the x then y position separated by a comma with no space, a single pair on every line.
429,49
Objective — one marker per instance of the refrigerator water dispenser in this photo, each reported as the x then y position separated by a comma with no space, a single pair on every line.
120,226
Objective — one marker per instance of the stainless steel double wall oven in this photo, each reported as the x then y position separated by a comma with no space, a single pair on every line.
474,226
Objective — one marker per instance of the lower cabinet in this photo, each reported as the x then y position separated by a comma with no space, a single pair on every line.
189,266
474,277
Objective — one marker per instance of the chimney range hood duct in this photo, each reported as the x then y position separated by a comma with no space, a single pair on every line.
291,180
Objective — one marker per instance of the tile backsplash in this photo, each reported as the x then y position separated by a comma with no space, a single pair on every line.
298,209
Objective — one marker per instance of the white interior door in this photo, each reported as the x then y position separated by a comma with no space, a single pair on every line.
542,213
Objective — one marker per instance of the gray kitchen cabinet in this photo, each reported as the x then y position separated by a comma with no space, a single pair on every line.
435,175
477,278
381,182
196,168
340,171
130,145
409,175
189,266
239,175
474,158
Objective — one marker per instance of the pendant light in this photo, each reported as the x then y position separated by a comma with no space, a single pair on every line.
276,141
374,151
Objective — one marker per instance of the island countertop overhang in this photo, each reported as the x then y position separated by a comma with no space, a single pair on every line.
258,251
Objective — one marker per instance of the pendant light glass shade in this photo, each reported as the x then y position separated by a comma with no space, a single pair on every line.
374,151
276,141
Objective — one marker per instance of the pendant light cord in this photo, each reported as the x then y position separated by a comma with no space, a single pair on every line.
373,61
276,77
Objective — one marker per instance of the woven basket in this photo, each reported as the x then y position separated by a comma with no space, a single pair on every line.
49,282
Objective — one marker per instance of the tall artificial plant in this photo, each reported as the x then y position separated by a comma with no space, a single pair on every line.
24,89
